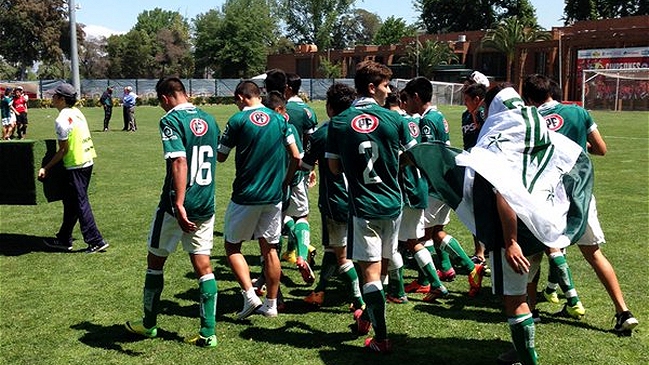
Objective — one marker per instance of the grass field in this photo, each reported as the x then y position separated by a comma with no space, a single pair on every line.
61,308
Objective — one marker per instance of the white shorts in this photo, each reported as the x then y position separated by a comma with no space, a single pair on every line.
437,213
165,233
334,233
298,205
505,281
412,224
374,239
594,235
246,222
6,121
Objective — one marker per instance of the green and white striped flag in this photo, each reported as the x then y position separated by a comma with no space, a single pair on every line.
545,177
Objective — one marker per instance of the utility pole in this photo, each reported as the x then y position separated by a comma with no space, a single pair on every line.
74,52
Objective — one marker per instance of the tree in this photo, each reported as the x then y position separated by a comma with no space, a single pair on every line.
92,58
353,29
443,16
509,33
313,21
392,30
425,58
330,70
576,10
31,31
233,42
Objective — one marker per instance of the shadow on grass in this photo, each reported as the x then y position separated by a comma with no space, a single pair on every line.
112,337
19,244
335,349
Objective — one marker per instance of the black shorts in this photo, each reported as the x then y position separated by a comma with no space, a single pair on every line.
21,118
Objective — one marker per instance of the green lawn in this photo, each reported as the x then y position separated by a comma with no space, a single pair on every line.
61,308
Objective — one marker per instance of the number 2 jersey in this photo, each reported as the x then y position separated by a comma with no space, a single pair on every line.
367,139
191,133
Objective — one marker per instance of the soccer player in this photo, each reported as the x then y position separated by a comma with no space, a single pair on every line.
364,142
185,213
297,211
434,127
6,110
77,152
255,208
411,230
333,202
20,108
576,123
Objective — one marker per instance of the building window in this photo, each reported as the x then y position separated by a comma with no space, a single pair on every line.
540,62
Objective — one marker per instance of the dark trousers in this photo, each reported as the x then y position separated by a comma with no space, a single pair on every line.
108,112
129,118
76,207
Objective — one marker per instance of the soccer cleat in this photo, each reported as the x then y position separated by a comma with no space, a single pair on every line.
396,300
480,260
447,276
249,306
311,256
508,358
97,248
536,316
551,296
138,328
260,285
434,294
475,280
267,311
56,244
201,341
576,311
289,256
363,327
315,298
415,287
305,271
625,322
380,346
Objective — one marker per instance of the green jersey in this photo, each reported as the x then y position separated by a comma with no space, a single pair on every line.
433,126
333,199
367,139
413,185
5,106
260,136
191,133
301,116
571,120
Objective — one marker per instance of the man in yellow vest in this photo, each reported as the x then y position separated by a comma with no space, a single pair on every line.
77,152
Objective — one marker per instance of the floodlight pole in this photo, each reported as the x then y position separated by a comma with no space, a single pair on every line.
74,53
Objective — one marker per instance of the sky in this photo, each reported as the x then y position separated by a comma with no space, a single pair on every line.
100,18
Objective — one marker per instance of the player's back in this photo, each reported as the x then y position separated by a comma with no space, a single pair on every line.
570,120
367,140
259,136
433,126
414,186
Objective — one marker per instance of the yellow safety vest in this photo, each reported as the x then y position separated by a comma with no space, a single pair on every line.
81,150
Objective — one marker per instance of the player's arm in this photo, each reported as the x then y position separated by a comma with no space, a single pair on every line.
64,146
596,144
335,166
509,223
179,178
294,157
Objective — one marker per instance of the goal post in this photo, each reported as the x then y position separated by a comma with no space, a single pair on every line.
615,89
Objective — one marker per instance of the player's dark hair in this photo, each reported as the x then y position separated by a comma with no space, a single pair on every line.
555,90
70,101
475,90
370,72
169,86
275,80
420,86
274,100
491,94
393,98
340,97
248,89
536,88
294,82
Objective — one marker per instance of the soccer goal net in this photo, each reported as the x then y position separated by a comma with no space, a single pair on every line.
616,89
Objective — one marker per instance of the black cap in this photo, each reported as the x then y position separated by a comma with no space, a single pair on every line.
66,90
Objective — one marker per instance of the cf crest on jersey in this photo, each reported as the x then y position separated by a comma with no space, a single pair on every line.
554,122
198,127
259,118
414,129
365,123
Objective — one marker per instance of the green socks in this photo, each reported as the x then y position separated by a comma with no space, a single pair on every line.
426,265
289,230
153,285
329,266
522,329
303,237
348,271
452,247
208,291
560,273
375,299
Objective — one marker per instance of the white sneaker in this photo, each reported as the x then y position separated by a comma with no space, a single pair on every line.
249,306
267,311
